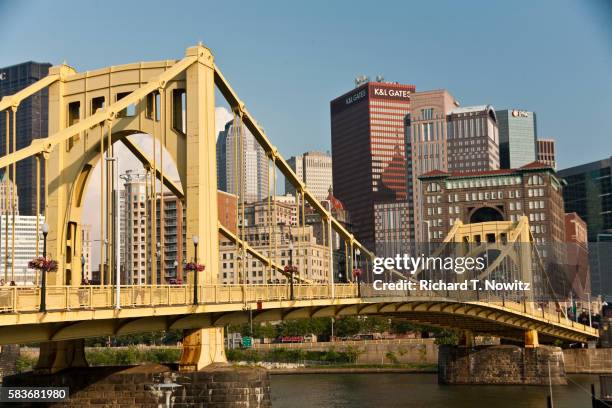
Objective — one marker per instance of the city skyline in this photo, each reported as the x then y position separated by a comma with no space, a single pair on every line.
526,72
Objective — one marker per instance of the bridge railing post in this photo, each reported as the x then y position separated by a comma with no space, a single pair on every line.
14,302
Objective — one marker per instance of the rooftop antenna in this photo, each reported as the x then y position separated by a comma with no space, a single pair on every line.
360,80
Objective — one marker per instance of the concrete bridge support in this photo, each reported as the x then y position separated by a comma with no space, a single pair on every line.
60,355
202,347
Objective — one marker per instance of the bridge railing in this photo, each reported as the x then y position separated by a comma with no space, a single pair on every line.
26,299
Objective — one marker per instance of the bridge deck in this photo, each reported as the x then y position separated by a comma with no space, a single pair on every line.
86,311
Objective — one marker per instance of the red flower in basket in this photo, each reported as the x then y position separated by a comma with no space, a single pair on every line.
356,272
193,267
43,264
290,268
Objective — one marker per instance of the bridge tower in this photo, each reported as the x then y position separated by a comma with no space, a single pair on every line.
172,102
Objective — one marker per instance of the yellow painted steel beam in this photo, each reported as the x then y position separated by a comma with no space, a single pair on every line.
110,112
15,99
250,122
176,189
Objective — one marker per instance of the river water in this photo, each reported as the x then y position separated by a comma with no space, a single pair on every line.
418,391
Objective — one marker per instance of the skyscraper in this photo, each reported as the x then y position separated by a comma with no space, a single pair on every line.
426,146
589,193
31,124
517,137
442,136
546,152
315,170
473,139
368,150
247,176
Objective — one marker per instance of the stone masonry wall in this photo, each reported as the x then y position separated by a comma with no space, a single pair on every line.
406,351
596,361
120,387
8,359
504,364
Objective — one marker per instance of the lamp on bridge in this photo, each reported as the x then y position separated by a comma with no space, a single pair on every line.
357,271
195,240
43,289
82,269
291,269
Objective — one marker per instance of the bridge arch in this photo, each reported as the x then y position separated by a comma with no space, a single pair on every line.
486,213
159,107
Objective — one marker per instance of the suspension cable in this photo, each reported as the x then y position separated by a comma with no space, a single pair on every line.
14,195
270,230
162,118
102,224
305,249
6,197
153,243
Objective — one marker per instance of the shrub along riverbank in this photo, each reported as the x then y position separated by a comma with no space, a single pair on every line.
132,355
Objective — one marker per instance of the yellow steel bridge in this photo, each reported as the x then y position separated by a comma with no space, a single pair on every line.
174,103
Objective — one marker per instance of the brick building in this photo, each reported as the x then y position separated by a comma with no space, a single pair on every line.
577,254
497,195
546,152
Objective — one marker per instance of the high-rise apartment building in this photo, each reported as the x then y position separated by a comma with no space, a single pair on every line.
546,152
172,248
517,138
368,150
315,170
136,222
588,192
15,268
32,124
242,165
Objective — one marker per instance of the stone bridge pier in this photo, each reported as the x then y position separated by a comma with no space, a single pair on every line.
531,364
202,377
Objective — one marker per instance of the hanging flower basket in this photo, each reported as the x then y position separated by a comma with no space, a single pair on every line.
194,267
290,268
356,272
42,264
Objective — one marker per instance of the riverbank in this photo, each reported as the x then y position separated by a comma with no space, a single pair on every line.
353,370
409,355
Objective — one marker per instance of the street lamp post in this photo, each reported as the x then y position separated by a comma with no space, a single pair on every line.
82,268
43,290
290,268
195,240
175,264
357,261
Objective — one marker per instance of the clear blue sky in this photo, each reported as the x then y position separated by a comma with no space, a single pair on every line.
288,59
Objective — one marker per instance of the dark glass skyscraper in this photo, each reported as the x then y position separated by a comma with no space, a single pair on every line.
589,193
32,123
